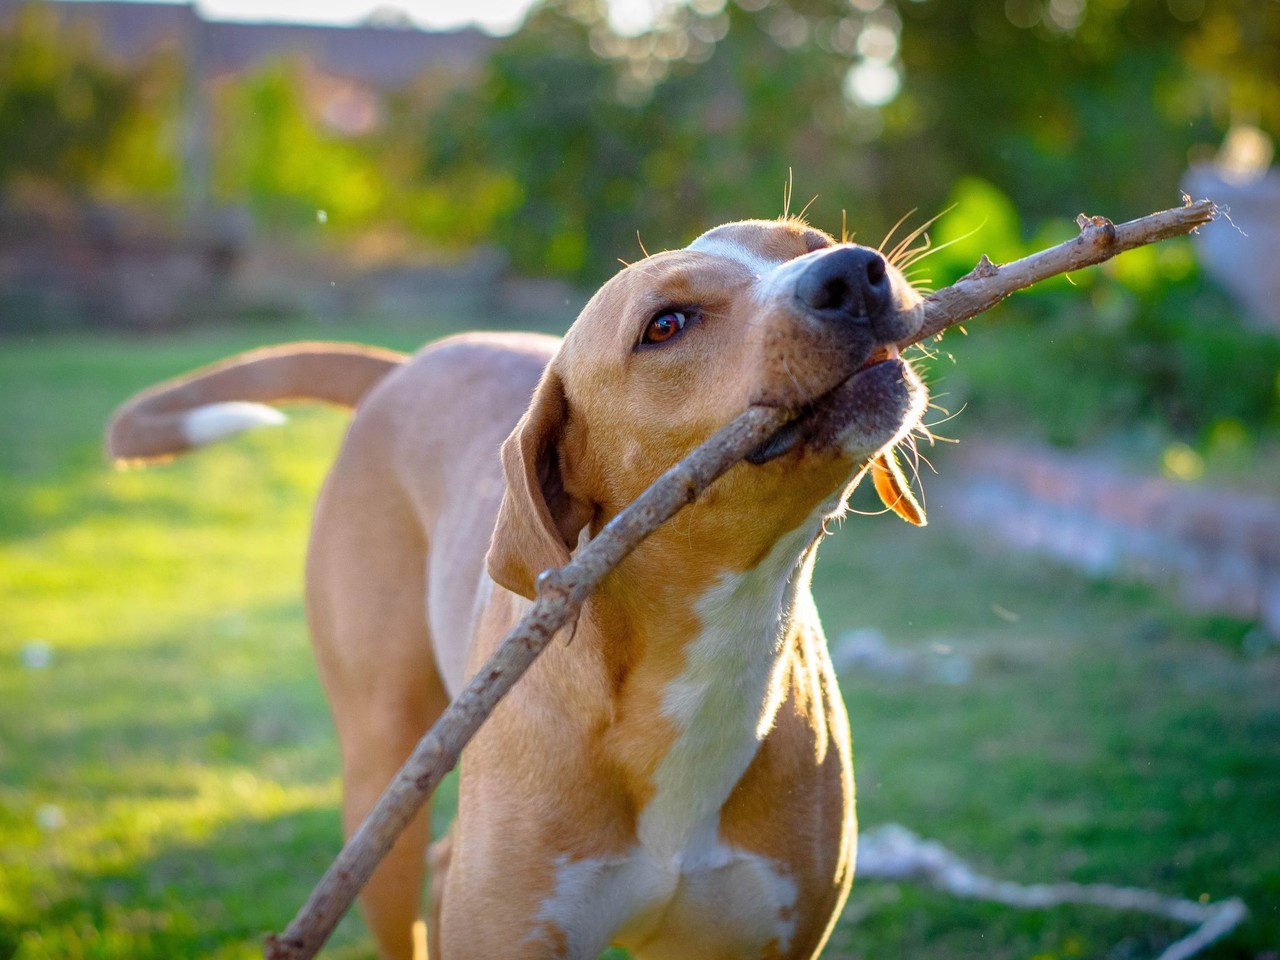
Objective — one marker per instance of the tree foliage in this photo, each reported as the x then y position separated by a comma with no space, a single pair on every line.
1068,104
71,116
276,159
576,143
1064,104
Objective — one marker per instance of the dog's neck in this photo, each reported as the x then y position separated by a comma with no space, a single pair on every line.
700,676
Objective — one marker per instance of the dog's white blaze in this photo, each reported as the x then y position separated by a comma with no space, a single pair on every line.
720,247
773,277
213,421
781,280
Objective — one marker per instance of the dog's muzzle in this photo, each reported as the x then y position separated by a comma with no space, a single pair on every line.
881,390
850,291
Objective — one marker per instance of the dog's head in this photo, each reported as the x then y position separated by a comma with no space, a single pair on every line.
673,348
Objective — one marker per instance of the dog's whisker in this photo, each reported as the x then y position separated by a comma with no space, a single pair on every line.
919,482
927,462
946,419
926,431
916,257
868,513
914,460
786,366
894,229
647,267
903,259
926,349
800,216
904,244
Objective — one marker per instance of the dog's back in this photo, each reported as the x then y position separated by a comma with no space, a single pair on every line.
420,465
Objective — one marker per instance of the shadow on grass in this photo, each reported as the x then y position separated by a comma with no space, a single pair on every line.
216,897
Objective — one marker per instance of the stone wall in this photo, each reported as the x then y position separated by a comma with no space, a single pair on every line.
1220,550
68,264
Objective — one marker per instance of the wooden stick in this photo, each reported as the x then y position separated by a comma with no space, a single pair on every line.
561,593
1099,239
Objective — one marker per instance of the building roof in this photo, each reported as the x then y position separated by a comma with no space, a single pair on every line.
384,56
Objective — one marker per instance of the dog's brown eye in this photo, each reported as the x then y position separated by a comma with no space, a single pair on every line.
663,327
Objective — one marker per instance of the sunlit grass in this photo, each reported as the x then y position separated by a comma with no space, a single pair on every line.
168,766
168,773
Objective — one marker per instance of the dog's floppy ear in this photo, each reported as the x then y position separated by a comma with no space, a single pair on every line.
895,489
539,520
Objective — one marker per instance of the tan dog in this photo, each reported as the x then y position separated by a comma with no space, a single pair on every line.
677,779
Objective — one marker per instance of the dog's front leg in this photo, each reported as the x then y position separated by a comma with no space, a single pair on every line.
365,608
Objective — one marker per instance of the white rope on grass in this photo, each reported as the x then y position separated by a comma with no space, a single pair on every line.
892,852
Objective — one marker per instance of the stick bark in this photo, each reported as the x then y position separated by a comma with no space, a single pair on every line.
1099,239
561,593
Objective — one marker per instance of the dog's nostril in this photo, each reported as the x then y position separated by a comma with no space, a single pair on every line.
836,294
876,269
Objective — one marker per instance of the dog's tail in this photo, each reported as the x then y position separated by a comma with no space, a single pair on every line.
231,396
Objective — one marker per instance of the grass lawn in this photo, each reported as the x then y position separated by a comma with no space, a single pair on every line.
168,773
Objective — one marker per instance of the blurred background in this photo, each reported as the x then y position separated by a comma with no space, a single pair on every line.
1072,673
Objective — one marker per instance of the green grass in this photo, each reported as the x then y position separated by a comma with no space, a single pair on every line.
1105,737
168,781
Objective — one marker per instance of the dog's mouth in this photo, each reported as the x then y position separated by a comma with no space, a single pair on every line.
823,420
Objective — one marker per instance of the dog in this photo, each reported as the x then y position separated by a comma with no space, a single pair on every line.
675,780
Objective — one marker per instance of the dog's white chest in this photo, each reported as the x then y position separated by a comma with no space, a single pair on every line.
720,703
681,884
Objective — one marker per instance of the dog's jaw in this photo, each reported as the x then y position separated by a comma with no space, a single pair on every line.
874,409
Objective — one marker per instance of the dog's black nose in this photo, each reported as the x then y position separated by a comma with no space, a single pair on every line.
846,283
